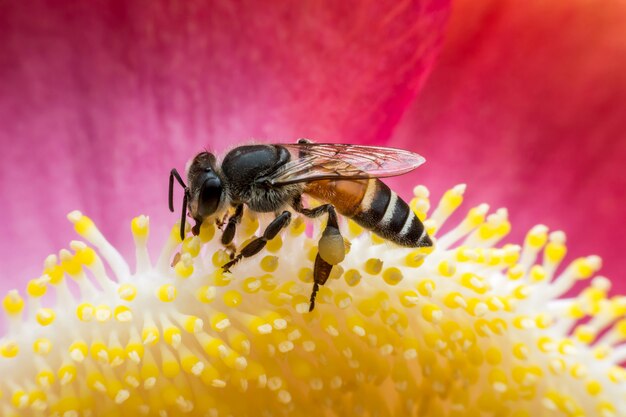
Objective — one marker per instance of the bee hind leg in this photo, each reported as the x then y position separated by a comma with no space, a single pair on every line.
255,246
331,248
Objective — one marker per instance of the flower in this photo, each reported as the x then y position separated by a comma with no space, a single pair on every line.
468,327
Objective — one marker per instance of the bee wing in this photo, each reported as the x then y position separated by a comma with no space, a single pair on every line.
319,161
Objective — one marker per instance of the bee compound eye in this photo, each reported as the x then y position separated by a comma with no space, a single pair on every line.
210,196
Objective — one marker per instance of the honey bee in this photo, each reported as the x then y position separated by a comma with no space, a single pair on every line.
273,178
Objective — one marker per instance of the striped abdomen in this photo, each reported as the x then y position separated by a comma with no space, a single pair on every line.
371,204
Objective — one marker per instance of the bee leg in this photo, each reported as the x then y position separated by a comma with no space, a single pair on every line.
231,227
331,248
255,246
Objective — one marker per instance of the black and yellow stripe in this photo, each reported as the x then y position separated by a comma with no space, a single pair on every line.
372,205
390,217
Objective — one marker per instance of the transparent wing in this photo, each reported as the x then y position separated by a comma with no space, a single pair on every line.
318,161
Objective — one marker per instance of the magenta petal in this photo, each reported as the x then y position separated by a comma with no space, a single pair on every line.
527,105
99,100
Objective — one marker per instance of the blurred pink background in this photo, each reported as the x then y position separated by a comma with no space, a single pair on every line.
523,101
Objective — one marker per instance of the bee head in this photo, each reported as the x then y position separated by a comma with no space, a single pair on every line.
205,192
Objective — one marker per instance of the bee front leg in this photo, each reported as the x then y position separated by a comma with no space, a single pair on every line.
255,246
231,227
331,248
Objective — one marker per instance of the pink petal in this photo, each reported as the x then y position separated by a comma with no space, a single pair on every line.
98,101
528,106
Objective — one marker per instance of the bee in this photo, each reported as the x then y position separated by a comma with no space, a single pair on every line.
273,178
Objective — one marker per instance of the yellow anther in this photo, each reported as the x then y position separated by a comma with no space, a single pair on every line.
85,256
498,380
566,347
45,378
175,233
474,283
537,273
476,215
432,313
409,298
103,313
127,292
220,257
13,304
206,294
232,298
575,311
70,264
446,268
426,287
19,399
452,199
134,351
415,258
192,324
78,350
150,335
454,300
392,276
192,246
352,277
37,287
305,275
579,371
521,292
464,254
520,351
584,334
167,293
543,321
555,252
342,299
9,349
45,316
511,254
184,267
85,312
515,272
123,314
219,322
251,285
546,344
140,226
373,266
537,237
172,335
585,267
476,307
99,351
42,346
523,322
269,263
82,224
207,231
67,373
275,244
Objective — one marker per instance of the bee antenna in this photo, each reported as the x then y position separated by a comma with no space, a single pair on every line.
183,215
174,174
